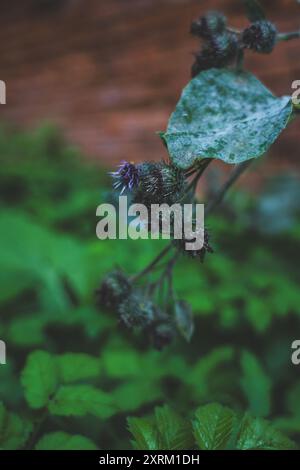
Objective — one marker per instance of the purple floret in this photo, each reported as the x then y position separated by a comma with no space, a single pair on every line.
127,176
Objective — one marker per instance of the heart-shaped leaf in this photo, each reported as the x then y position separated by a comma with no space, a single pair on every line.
225,114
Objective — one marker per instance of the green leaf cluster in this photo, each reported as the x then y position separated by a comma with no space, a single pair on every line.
212,427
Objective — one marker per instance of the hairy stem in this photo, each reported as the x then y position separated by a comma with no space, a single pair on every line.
151,265
193,184
280,36
235,174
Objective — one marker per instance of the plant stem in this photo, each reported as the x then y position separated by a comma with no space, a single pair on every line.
234,30
235,174
288,36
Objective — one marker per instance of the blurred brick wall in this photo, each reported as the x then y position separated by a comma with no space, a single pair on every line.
109,72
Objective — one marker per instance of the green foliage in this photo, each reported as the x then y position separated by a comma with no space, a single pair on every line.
73,374
79,400
215,427
196,128
255,384
43,379
39,379
258,434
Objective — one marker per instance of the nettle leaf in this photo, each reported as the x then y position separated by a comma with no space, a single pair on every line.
256,385
254,10
14,431
213,426
79,366
131,395
40,378
225,114
43,379
259,434
184,319
80,400
64,441
144,432
174,432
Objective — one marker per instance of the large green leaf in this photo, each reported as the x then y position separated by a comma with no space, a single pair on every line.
225,114
80,400
44,374
256,385
175,432
14,431
80,366
259,434
165,431
144,432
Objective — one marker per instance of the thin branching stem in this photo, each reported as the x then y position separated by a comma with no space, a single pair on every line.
234,175
288,36
193,184
151,265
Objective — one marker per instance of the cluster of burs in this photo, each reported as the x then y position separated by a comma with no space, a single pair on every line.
135,310
159,183
150,183
222,45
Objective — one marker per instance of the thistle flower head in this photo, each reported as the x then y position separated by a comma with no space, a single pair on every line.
114,289
260,36
163,334
126,177
137,311
159,183
217,52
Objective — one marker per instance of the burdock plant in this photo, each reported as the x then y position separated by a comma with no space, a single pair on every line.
224,113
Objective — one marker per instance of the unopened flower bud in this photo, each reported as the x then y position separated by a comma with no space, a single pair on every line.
206,26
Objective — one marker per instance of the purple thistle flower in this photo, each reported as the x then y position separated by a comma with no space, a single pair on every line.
127,176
